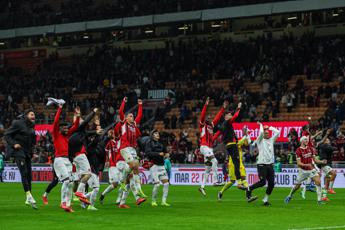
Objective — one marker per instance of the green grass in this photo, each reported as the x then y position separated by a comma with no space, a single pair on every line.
189,210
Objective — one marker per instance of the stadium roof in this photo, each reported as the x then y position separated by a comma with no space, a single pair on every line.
201,15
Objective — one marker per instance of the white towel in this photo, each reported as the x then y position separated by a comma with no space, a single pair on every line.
52,101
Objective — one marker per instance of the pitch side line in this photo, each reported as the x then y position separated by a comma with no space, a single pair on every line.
319,228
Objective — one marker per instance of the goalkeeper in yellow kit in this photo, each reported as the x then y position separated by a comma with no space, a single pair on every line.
245,141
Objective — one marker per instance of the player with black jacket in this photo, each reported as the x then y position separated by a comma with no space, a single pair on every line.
21,138
96,157
77,145
326,151
156,152
230,141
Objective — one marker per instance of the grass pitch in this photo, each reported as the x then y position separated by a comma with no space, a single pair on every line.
189,210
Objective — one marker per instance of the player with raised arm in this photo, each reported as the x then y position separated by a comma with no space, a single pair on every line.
307,186
206,127
326,153
94,157
129,132
116,166
62,164
245,141
265,162
230,141
77,146
307,169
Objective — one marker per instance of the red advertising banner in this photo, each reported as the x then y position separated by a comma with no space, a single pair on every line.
284,127
41,130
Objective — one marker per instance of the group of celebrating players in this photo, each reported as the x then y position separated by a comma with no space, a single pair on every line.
80,153
83,149
311,164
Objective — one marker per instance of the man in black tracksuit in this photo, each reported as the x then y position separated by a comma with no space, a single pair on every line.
96,149
79,138
21,138
156,152
96,156
230,142
326,151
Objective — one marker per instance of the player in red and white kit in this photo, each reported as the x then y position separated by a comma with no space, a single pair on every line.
62,165
206,144
116,166
129,133
307,169
306,132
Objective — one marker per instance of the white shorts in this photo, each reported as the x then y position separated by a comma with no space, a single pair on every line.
305,174
326,169
121,166
82,164
206,151
93,182
63,168
129,154
116,173
158,173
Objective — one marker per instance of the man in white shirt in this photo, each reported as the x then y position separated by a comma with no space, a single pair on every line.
265,161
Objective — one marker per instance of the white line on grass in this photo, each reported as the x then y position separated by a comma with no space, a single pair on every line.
319,228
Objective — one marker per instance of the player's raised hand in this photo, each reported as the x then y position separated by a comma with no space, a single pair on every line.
207,100
125,99
140,102
95,110
239,105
